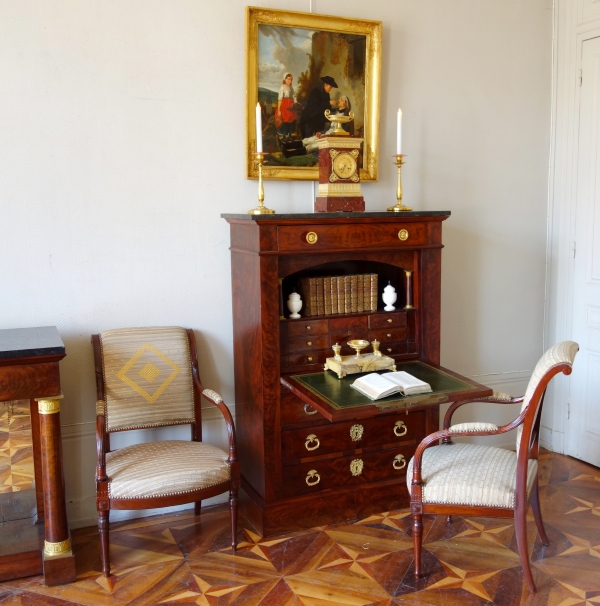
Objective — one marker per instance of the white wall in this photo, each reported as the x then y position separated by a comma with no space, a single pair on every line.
121,141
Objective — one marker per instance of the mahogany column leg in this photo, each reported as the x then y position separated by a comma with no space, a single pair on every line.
103,529
59,563
417,540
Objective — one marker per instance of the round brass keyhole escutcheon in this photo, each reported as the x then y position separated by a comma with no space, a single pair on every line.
400,429
356,432
356,467
402,234
399,462
311,237
312,477
312,442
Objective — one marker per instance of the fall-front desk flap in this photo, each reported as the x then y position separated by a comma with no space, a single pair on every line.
329,395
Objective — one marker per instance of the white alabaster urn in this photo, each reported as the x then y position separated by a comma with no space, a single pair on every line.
389,297
294,304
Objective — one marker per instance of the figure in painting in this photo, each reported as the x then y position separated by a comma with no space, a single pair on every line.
285,117
312,118
311,144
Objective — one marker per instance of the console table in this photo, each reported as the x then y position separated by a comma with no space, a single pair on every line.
29,360
311,453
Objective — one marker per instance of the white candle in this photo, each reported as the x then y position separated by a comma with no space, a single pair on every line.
258,128
399,135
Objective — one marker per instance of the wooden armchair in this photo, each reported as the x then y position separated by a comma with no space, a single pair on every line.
147,378
471,479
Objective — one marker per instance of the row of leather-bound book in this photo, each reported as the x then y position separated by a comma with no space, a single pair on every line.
339,294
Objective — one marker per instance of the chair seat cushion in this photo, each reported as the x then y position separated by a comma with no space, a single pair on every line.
158,469
471,474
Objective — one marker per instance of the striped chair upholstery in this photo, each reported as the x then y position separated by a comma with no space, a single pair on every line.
147,378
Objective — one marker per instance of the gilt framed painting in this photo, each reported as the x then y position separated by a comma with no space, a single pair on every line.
298,66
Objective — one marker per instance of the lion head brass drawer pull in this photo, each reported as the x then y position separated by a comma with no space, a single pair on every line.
399,462
309,410
400,429
311,237
310,439
356,432
356,467
402,234
312,477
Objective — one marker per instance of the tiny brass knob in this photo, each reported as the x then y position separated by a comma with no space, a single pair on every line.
308,328
400,429
389,349
389,335
312,477
309,343
390,320
311,237
312,442
402,234
310,358
399,462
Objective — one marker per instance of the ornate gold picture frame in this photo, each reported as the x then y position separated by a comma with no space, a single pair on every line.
294,60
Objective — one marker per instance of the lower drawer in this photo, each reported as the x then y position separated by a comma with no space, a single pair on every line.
316,476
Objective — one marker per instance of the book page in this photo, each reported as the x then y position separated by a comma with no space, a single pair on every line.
375,385
405,380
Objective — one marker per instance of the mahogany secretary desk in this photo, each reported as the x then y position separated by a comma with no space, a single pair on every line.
312,454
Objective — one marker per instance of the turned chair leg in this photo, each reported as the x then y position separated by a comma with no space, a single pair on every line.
537,514
103,526
417,540
521,534
233,508
197,508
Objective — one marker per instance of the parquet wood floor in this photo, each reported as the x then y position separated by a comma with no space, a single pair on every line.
180,559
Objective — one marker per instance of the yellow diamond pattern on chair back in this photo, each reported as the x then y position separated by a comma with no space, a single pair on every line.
561,353
147,377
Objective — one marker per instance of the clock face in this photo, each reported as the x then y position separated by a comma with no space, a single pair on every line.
344,165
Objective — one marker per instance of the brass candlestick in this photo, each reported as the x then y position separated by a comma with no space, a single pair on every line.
261,209
399,206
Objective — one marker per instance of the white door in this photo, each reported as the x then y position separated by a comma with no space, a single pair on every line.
584,420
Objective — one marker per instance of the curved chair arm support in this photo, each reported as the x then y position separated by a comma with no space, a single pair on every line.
417,480
496,398
101,441
217,400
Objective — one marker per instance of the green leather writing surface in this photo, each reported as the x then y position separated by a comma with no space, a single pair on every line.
338,393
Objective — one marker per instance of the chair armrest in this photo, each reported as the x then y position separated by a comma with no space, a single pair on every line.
217,400
101,441
462,429
496,398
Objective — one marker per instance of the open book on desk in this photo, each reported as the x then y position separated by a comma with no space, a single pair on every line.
376,386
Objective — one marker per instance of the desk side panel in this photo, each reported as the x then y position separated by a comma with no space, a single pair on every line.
247,355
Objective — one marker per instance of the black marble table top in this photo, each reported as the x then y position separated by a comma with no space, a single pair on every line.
339,215
28,342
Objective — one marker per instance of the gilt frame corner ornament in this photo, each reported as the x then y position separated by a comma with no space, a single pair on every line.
314,35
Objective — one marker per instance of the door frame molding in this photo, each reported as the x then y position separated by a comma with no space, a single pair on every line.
575,21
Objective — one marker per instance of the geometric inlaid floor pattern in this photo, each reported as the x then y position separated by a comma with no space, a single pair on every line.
180,559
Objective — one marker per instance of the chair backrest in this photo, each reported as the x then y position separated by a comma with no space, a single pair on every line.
147,375
558,355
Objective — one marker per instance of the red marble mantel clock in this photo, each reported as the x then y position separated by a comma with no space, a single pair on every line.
339,176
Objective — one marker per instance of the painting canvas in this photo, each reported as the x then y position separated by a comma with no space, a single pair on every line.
299,65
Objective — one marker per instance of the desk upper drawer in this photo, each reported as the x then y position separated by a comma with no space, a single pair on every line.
333,237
